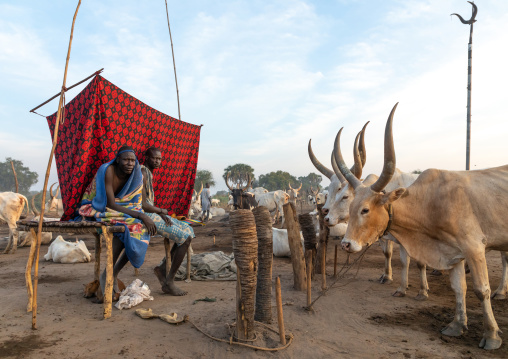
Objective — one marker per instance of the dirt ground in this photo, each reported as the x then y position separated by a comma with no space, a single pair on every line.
358,320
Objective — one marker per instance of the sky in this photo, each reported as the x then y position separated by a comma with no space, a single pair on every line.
264,77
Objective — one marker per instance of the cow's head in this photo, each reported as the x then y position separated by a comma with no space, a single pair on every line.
53,202
237,193
293,192
337,180
369,210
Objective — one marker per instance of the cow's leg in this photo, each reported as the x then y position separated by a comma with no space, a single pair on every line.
388,251
9,243
404,279
502,290
458,284
15,237
478,265
423,294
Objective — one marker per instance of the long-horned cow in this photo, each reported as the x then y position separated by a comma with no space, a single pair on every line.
339,213
242,199
11,207
293,193
443,218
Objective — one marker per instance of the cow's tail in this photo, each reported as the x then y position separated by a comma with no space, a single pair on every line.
27,207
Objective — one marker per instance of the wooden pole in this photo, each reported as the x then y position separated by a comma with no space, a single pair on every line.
295,245
28,270
323,241
67,89
174,65
323,269
45,187
308,255
15,178
280,316
335,263
108,289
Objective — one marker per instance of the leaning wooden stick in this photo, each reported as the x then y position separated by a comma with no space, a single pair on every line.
280,316
15,177
45,187
174,65
28,271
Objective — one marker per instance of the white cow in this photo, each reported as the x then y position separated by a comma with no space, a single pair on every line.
293,193
67,252
26,238
55,204
217,211
11,207
215,201
281,242
273,201
259,190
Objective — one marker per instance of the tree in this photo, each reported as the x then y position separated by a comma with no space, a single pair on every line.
277,180
238,173
203,177
417,172
312,179
26,178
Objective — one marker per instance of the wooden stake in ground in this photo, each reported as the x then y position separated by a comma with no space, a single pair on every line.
108,289
295,245
280,316
323,241
15,177
45,187
28,271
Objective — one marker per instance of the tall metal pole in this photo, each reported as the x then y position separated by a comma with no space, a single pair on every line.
469,22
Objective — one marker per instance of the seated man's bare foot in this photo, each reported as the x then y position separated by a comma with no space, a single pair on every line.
170,288
160,273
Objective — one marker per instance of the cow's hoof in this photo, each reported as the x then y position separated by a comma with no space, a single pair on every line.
498,296
399,294
384,279
422,297
491,343
454,329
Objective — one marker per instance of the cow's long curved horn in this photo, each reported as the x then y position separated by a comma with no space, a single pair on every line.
248,182
361,145
319,166
57,191
227,182
473,16
201,190
51,190
357,168
339,175
36,212
289,183
350,177
389,162
299,188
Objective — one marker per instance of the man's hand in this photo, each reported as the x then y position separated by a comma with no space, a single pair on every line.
147,221
166,219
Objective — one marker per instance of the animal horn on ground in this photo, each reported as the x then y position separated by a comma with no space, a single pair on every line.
36,212
350,177
51,190
319,166
389,161
473,16
227,182
339,175
357,168
361,145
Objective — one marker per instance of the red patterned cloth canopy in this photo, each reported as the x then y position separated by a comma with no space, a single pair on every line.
101,119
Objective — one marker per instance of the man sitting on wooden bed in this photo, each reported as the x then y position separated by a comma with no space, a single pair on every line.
115,197
179,232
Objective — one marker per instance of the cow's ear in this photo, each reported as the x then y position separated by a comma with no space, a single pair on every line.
392,196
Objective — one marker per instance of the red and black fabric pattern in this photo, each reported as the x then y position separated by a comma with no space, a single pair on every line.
101,119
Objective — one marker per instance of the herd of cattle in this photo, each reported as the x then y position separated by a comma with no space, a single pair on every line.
440,218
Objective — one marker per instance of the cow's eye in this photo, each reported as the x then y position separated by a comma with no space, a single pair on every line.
345,197
365,211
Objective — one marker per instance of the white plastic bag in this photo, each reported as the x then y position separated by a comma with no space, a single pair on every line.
134,294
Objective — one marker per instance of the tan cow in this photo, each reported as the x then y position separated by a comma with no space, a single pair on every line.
443,218
11,207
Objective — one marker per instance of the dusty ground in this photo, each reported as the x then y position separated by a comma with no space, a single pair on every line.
359,320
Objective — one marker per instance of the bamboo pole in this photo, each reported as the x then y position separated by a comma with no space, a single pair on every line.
174,65
16,179
46,179
280,316
67,89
